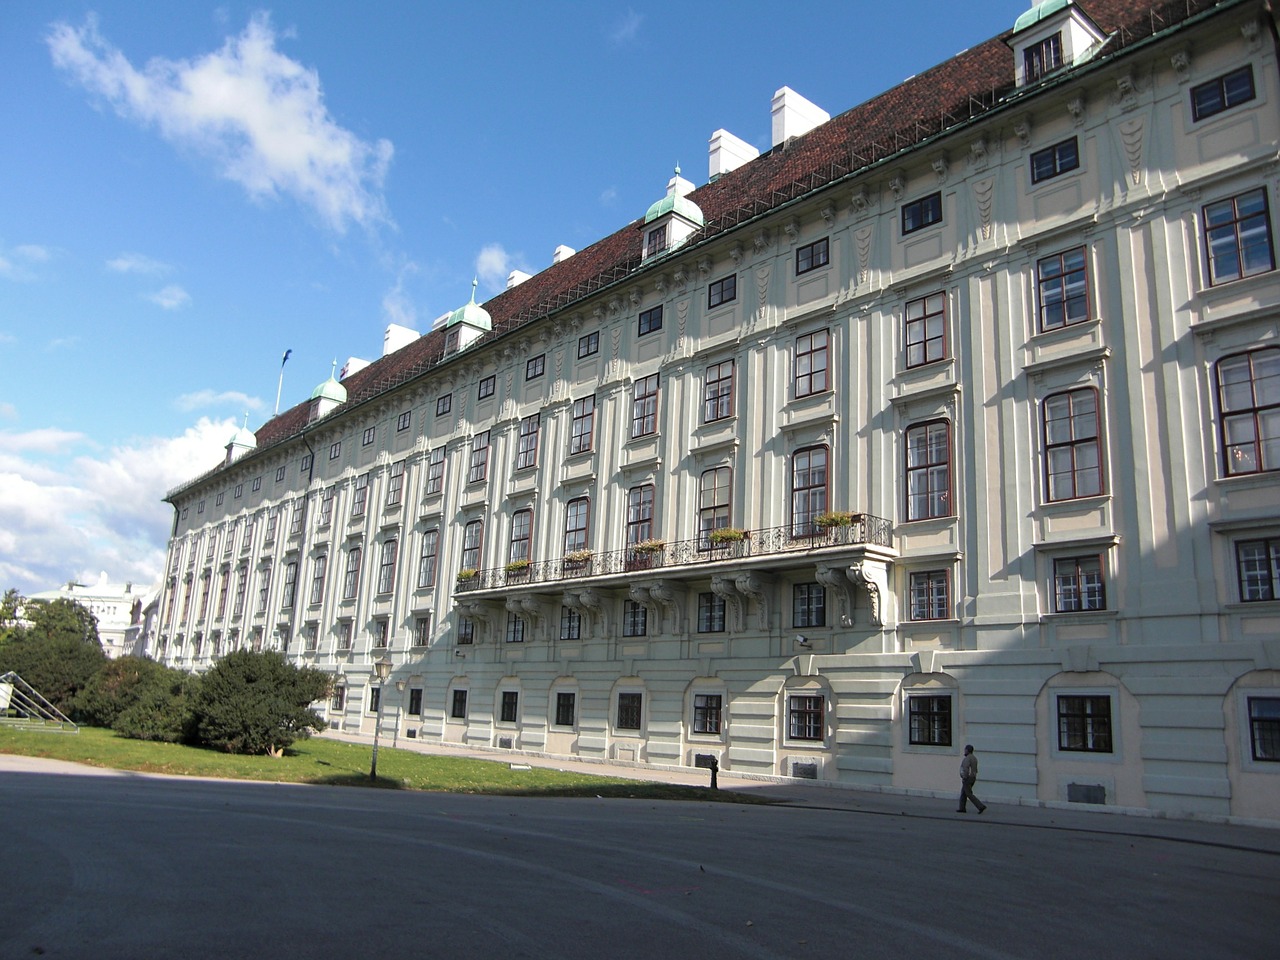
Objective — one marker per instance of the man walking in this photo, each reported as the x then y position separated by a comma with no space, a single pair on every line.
968,777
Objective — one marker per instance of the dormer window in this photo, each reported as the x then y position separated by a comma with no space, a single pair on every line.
1041,58
672,220
656,242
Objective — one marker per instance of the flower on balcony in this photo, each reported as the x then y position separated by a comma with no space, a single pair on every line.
833,518
518,566
467,573
726,535
576,557
649,546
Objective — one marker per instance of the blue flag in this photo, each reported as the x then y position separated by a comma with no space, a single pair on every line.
286,358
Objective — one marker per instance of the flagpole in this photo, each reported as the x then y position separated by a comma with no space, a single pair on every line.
280,385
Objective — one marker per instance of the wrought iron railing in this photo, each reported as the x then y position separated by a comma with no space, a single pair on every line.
858,529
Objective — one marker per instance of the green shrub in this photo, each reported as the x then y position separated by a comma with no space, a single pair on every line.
118,685
162,711
257,703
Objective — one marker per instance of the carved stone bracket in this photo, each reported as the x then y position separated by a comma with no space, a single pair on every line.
477,611
589,604
1181,62
726,589
978,154
1075,107
828,214
898,186
792,230
736,254
873,575
527,606
1022,129
834,579
753,587
939,163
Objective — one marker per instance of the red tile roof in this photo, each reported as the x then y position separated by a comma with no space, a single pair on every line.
950,93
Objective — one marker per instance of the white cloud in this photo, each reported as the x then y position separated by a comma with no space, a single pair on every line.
32,252
257,114
627,28
64,516
16,263
8,338
7,410
136,263
494,264
170,298
62,343
397,307
608,196
213,398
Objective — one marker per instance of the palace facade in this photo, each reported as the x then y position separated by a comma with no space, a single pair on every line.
952,419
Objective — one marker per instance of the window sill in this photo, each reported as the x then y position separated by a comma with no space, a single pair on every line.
1252,606
1081,616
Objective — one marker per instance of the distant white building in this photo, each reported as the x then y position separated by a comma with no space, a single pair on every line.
119,608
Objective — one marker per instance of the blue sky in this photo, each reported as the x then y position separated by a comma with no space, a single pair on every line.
187,190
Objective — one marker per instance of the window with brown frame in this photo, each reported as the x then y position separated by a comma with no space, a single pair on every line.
928,468
1073,461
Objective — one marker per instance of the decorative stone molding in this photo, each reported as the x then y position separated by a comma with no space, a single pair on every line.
834,579
862,249
1252,35
1022,129
761,240
873,575
939,164
614,306
635,295
792,229
683,276
1127,91
727,590
828,214
1131,135
983,192
660,284
589,604
898,186
753,587
978,154
736,254
1080,658
1181,63
1075,107
861,199
704,267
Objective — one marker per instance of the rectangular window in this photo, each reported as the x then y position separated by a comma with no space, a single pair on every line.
421,632
589,345
536,367
427,560
928,470
656,241
326,507
257,485
360,496
338,703
375,700
929,720
380,634
1062,282
351,577
290,586
369,434
1222,93
1264,728
630,710
644,407
715,492
1258,569
217,501
486,388
639,514
635,619
926,330
710,613
346,633
722,291
577,520
472,536
510,706
706,713
921,213
566,709
570,624
1073,465
527,442
930,595
306,463
458,710
298,517
1238,237
387,566
279,478
264,590
1041,58
395,484
238,492
805,717
403,421
1078,585
435,472
415,701
583,428
318,568
811,363
515,628
650,321
809,484
813,255
444,404
808,605
335,450
1084,724
519,550
200,505
479,465
466,631
717,392
1052,161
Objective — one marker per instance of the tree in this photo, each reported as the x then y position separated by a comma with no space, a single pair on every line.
258,703
57,653
10,604
122,684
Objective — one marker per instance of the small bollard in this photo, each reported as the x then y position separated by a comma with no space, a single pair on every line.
714,767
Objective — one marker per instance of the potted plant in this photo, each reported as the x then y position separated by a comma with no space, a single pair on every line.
467,573
577,558
833,518
516,567
726,535
649,546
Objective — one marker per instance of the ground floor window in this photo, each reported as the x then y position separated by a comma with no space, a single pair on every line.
1084,724
630,706
566,708
930,720
1264,727
375,699
459,708
510,706
706,712
415,702
805,714
339,701
635,619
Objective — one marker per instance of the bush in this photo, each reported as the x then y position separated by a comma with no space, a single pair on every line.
58,668
257,703
162,711
117,686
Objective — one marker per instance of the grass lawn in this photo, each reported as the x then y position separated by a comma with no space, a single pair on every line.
317,760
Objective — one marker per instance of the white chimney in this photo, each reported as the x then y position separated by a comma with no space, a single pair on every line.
728,153
562,253
794,116
397,337
517,277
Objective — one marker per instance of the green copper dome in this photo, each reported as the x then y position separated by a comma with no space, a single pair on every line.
471,313
331,389
676,202
1039,12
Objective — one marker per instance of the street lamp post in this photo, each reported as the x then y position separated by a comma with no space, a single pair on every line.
395,738
382,668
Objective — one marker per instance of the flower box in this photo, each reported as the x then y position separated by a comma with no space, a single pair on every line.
835,518
518,567
649,546
467,574
726,535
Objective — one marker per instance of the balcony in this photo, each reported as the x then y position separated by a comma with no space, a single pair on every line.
722,546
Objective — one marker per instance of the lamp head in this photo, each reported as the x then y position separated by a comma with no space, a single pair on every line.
382,667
